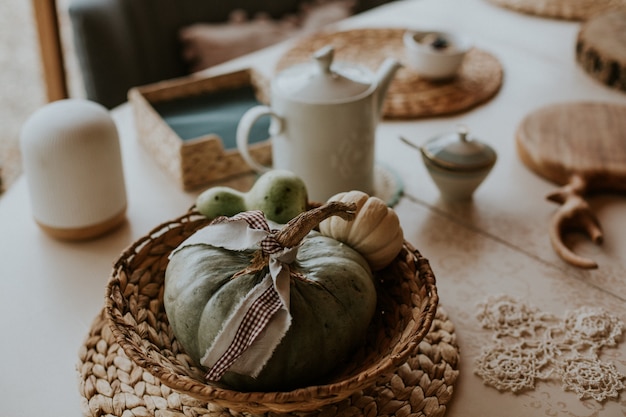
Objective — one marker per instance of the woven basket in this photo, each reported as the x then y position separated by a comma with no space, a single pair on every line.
407,303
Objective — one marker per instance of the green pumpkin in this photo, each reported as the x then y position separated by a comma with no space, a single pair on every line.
330,310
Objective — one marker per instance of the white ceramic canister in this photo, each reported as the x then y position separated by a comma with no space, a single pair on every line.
73,166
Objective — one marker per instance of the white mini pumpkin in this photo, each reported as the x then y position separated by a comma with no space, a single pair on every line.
375,232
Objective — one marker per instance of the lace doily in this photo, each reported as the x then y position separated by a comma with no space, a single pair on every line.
530,346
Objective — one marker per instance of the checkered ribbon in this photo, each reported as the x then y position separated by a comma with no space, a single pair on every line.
260,320
256,220
253,323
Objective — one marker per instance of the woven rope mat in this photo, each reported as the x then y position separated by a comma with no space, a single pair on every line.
112,385
561,9
409,96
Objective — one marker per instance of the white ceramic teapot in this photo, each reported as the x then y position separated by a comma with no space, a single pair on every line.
324,119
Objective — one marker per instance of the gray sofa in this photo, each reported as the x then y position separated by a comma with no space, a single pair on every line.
126,43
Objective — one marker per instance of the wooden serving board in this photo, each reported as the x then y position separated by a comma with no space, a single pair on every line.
580,146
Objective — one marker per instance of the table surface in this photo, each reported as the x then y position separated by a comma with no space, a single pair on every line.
50,291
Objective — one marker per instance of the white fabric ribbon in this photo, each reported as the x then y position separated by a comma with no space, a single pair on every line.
252,332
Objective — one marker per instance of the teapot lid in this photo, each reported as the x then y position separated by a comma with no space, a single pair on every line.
457,152
324,81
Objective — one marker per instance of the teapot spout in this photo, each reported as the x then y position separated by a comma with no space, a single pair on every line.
384,76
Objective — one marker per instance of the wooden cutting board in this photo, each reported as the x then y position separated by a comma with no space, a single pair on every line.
580,146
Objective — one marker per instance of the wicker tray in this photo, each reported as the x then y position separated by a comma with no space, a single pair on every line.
407,303
409,96
561,9
194,162
110,384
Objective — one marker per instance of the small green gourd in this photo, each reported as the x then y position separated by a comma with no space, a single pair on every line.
279,194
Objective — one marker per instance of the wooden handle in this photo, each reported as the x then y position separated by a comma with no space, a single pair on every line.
574,215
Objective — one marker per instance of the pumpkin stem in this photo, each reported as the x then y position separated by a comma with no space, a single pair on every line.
300,226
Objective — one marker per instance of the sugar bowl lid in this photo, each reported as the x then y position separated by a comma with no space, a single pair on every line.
458,152
322,81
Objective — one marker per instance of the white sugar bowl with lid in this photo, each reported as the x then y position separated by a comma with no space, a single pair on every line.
324,118
457,163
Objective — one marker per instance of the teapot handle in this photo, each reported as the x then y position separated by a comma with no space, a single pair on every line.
243,133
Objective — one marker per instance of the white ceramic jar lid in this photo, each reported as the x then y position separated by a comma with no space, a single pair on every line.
457,152
322,81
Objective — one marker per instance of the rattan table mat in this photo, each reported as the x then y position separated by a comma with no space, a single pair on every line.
561,9
111,384
409,96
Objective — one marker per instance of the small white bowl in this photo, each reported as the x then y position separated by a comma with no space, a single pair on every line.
435,55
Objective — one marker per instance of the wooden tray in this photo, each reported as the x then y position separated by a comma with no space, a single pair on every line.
199,161
409,96
579,146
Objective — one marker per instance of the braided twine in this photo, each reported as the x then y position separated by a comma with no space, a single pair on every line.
407,304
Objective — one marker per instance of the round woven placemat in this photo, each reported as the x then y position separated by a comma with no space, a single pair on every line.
561,9
111,384
409,95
